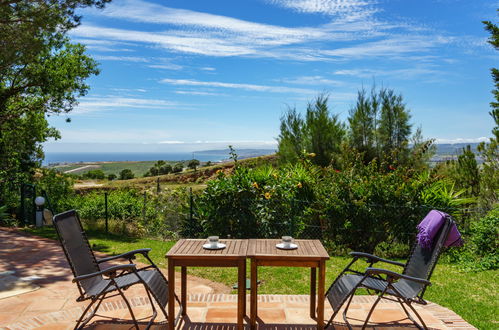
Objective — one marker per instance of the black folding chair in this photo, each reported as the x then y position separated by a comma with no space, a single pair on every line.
406,288
95,283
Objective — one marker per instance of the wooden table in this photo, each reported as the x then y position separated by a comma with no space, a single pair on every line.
190,253
310,253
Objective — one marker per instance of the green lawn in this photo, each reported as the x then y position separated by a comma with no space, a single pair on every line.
137,167
474,296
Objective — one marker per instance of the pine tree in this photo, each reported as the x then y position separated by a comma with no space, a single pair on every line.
320,133
490,151
379,125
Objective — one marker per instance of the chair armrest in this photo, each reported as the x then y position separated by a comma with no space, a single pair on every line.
373,259
395,275
110,270
126,255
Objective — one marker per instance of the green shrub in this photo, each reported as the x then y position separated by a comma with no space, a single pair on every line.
126,174
357,208
5,218
58,187
365,205
134,212
481,244
260,202
94,174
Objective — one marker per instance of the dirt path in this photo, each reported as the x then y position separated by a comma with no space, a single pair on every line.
81,168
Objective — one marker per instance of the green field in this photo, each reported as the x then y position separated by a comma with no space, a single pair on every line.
139,168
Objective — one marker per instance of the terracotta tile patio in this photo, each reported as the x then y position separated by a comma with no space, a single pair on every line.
53,306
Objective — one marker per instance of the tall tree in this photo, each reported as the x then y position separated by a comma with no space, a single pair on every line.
394,128
379,125
320,133
323,132
363,122
489,185
41,73
290,140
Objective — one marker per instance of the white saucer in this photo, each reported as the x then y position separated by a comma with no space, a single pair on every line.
219,246
291,246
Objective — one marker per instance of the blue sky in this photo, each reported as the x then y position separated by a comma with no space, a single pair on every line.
194,75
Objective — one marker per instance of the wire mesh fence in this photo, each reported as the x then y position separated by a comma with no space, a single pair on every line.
172,215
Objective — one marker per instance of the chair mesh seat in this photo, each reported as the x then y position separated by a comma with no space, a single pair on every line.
346,283
153,279
94,282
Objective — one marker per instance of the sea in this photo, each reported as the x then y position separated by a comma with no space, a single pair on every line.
84,157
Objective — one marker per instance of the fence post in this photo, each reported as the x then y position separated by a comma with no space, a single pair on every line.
191,212
144,208
23,212
105,203
158,187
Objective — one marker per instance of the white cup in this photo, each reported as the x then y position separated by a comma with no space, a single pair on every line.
213,241
286,241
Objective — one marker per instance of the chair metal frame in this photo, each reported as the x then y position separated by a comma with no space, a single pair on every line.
112,274
383,282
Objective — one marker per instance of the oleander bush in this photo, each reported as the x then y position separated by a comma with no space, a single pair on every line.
257,202
358,207
363,206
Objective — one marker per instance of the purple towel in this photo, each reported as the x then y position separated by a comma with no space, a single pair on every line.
429,227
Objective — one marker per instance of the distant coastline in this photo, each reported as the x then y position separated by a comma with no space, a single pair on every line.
444,152
92,157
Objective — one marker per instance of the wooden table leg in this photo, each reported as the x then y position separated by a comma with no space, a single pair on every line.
313,289
171,294
320,295
253,295
241,296
183,289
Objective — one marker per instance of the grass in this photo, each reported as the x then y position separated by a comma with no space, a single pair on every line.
474,296
139,168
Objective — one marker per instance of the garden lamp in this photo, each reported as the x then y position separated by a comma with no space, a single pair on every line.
39,202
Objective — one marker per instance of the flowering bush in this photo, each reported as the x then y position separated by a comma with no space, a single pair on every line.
260,202
358,207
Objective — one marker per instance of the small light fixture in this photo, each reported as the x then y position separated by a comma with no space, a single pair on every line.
39,201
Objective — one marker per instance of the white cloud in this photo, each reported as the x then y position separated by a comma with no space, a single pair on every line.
193,32
129,90
166,66
141,11
330,7
461,140
312,80
394,73
121,58
96,104
171,142
249,87
188,31
198,93
393,46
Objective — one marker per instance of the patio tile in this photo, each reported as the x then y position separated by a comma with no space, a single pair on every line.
197,314
389,316
47,304
7,317
55,326
221,315
298,316
272,315
271,305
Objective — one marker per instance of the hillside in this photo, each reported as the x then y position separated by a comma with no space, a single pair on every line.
187,177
